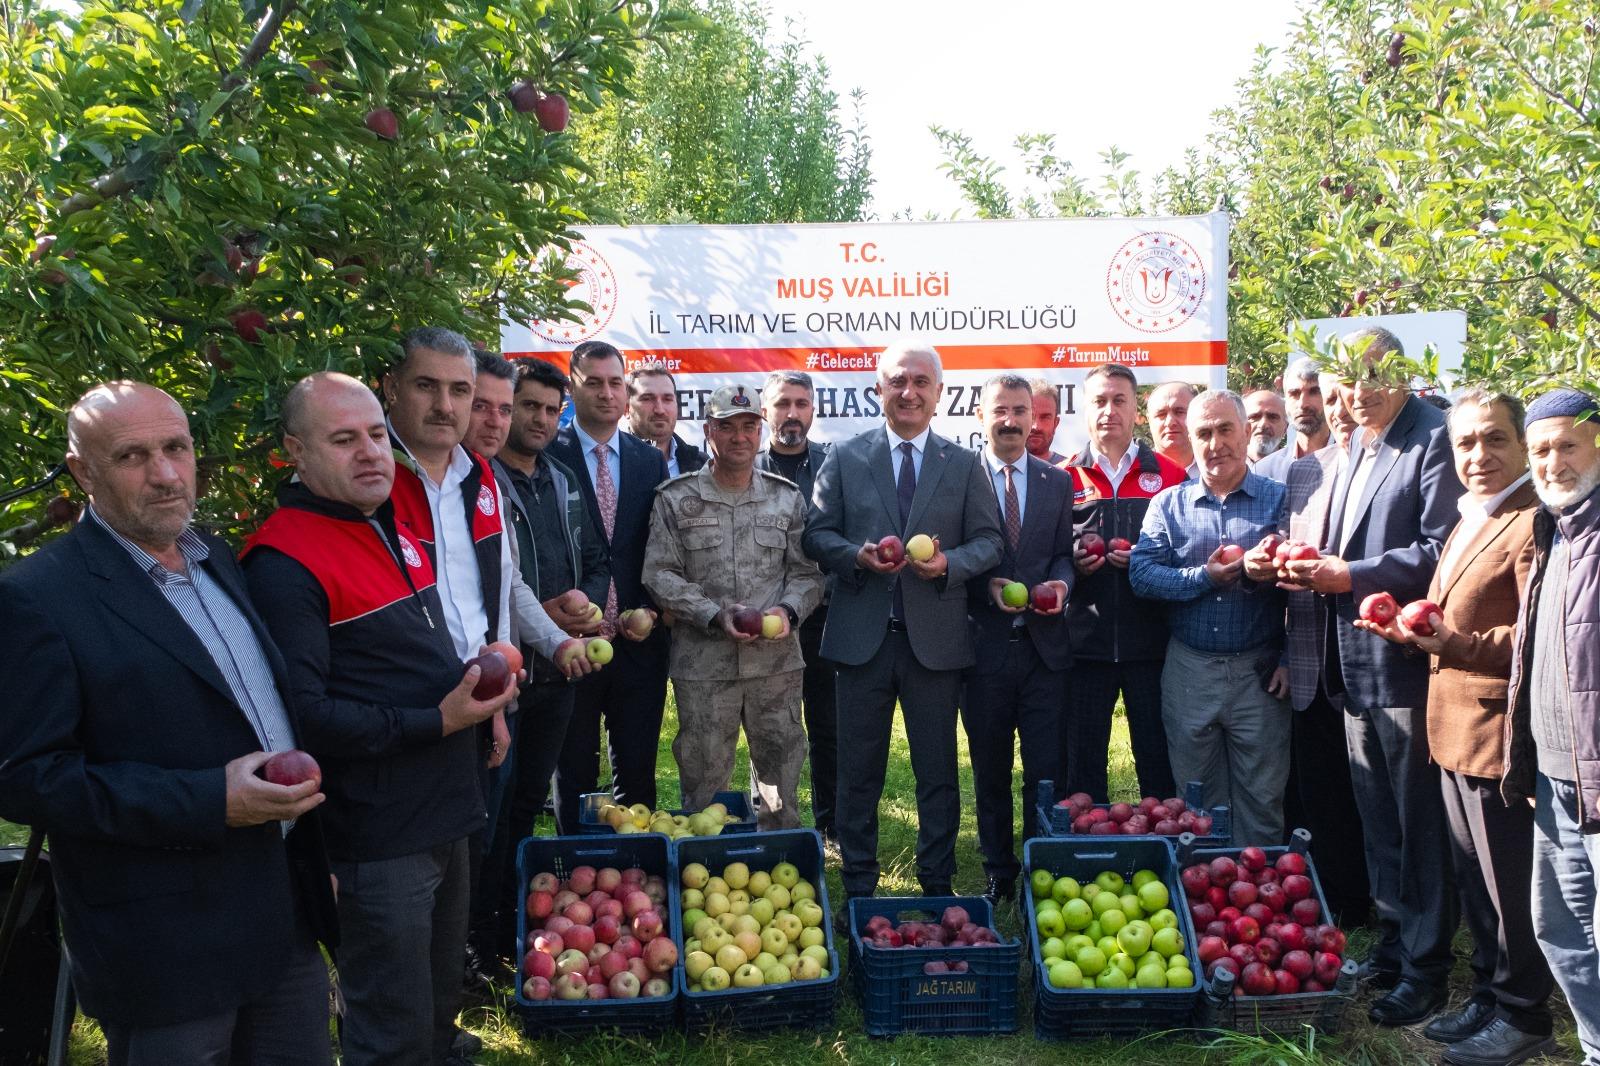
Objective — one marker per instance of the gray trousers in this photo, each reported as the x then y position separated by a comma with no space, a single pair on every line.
1226,732
867,695
402,936
1407,841
1565,864
288,1026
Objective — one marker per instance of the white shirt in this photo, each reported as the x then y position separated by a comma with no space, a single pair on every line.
460,588
1115,474
613,456
1365,456
918,444
997,478
1474,516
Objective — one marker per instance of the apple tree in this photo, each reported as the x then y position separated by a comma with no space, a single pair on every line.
220,196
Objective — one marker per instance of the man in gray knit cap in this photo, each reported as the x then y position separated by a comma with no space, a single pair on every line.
1554,708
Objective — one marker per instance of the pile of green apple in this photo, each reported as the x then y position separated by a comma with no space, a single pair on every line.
641,819
1109,933
746,929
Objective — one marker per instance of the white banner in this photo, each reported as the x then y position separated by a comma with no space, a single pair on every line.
1048,298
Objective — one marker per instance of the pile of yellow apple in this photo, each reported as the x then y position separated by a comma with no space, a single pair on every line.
747,928
641,819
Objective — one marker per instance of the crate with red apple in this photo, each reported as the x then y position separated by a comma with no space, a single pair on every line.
1113,956
932,965
750,913
1273,958
1079,815
593,935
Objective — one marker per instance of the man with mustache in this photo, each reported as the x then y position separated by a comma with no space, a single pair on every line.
1046,419
898,627
1553,756
653,417
788,405
1268,424
1167,411
143,695
1118,639
1302,392
1392,507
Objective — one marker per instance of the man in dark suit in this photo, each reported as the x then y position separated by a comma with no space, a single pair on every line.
142,695
788,405
1016,689
618,474
653,417
1393,506
898,627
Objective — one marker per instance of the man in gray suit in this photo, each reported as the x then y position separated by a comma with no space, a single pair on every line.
898,629
1392,507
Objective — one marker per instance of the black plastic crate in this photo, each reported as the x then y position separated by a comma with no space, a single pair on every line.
1289,1014
652,853
897,996
738,804
1057,821
1090,1013
797,1005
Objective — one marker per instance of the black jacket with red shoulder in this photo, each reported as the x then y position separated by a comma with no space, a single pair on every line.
352,604
1107,622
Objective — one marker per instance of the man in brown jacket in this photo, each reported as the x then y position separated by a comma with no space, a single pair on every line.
1482,569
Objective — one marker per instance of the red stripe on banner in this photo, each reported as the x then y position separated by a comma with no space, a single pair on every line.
1075,356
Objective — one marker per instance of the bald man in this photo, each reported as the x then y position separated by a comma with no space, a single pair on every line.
143,694
351,596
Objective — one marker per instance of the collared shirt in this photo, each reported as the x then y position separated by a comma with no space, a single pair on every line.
1184,525
919,444
208,610
456,565
673,469
613,455
1474,516
1115,474
997,478
1365,456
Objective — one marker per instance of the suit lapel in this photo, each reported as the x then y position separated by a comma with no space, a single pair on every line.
1487,534
133,597
935,457
881,465
579,464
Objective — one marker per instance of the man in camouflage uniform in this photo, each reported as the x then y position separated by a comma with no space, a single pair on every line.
723,538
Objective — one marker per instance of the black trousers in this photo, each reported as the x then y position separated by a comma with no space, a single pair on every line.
821,709
547,716
1407,842
1492,846
1091,700
928,698
1322,800
630,694
1016,697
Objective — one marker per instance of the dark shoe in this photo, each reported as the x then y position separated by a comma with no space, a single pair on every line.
1409,1004
1001,889
936,888
1377,977
1458,1025
841,920
466,1044
1498,1044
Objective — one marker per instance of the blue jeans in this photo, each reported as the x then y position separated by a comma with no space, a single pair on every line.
1565,863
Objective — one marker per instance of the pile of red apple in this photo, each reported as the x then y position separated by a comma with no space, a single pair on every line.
1262,922
954,929
1163,817
597,935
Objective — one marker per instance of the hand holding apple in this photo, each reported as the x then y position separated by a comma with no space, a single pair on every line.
1260,563
461,709
886,556
1118,551
639,623
571,660
1326,574
774,623
1042,601
741,624
571,611
1089,553
997,595
1224,566
253,800
1424,624
931,567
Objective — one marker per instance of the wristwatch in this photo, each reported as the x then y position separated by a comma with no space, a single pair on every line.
794,619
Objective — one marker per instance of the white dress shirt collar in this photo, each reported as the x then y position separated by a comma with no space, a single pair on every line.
919,443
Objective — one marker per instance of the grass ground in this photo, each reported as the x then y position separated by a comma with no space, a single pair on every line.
846,1045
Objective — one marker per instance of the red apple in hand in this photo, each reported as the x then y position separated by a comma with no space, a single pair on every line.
511,653
496,674
291,768
747,620
1270,543
1119,544
1418,616
1045,597
1230,553
1379,609
1093,544
1303,552
891,550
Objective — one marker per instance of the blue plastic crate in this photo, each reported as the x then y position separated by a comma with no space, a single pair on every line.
1056,822
652,853
738,804
797,1005
1089,1013
898,996
1287,1015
